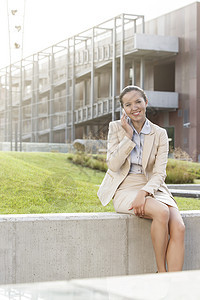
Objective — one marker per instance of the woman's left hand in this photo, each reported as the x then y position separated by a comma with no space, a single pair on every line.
139,203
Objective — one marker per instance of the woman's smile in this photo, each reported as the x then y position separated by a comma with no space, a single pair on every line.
135,113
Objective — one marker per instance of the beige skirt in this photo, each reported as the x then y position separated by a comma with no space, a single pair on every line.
128,190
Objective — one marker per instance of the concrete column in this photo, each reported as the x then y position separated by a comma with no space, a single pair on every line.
166,119
114,69
73,92
142,67
35,99
20,104
16,134
133,73
6,110
51,100
110,86
10,107
122,58
84,93
98,87
92,73
67,93
135,26
85,131
33,86
143,25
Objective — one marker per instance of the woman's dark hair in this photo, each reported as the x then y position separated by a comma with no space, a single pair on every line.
130,88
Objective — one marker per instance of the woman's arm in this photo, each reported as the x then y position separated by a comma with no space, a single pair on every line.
157,178
117,151
159,168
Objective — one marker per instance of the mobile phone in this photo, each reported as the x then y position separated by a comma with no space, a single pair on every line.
123,111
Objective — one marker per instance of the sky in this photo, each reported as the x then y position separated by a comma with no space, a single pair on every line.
47,22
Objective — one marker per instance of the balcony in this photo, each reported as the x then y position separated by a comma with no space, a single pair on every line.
155,45
162,100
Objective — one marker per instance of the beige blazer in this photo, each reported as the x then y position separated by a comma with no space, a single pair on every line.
154,160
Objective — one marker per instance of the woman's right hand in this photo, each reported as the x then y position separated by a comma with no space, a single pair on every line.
139,202
126,126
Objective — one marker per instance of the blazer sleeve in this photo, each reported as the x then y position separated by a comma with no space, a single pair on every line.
117,151
159,168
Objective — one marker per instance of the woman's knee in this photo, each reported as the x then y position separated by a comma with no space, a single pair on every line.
177,230
157,211
163,215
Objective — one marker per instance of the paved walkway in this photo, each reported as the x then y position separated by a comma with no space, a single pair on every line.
165,286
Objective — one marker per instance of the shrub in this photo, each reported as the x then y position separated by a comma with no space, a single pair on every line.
100,157
93,161
179,172
80,158
179,176
195,172
98,165
70,156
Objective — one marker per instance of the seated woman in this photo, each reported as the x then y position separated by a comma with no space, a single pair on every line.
137,157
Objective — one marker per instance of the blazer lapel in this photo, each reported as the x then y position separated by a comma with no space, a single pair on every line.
148,144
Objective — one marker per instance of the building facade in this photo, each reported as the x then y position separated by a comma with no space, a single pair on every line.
71,89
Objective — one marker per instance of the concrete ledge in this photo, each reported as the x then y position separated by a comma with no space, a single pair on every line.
51,247
185,194
185,190
187,187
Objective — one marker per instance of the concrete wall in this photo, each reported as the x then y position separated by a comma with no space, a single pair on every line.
38,147
49,247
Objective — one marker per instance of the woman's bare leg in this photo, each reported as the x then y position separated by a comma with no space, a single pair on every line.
175,250
159,213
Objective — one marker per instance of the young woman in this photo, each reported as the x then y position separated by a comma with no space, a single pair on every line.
137,158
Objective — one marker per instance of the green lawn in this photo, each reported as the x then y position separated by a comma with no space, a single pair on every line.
49,183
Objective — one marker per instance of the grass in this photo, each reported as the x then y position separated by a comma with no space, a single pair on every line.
188,203
50,183
47,183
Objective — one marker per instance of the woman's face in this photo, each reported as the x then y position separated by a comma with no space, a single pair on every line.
135,106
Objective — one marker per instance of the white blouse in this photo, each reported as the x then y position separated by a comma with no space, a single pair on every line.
136,153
